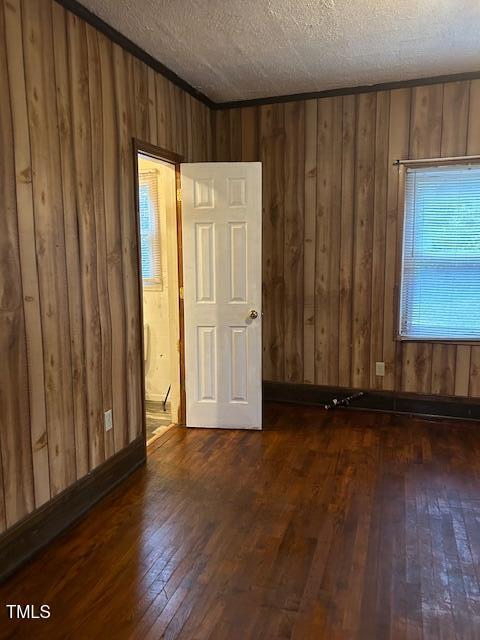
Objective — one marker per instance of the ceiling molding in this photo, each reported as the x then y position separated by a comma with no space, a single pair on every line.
347,91
82,12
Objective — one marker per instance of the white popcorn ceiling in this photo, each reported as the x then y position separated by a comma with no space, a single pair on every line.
244,49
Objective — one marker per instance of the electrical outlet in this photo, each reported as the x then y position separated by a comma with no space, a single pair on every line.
108,420
380,369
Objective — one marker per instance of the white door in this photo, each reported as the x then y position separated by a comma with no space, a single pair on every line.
222,267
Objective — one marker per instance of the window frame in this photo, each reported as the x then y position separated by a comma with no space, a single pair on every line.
154,283
401,213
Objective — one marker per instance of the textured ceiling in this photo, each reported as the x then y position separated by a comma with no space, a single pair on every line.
244,49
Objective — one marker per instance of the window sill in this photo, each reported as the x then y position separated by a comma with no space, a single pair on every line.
154,288
465,341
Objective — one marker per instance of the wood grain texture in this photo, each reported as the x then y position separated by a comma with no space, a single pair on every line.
310,204
71,103
50,240
294,234
355,526
98,182
249,133
83,159
18,483
327,243
72,240
272,154
114,247
347,218
364,194
398,144
29,271
379,234
352,228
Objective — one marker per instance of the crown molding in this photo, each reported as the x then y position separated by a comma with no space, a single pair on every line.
347,91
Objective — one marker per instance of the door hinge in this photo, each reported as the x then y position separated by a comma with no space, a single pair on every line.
179,195
180,293
178,346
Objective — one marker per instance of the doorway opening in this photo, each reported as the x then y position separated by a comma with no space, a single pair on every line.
159,229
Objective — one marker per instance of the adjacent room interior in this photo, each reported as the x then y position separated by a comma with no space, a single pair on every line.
157,204
239,320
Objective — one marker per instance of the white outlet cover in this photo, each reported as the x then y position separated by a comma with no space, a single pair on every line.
108,420
380,368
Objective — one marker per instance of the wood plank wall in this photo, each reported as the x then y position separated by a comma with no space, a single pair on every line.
331,225
70,103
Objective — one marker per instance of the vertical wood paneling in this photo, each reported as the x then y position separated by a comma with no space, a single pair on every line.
26,232
209,133
50,240
152,107
199,148
189,121
128,236
222,134
294,234
249,116
140,74
164,125
171,121
398,145
352,232
72,246
235,128
363,237
272,153
180,111
16,451
335,241
202,133
345,311
113,240
325,142
310,188
132,281
69,307
97,135
82,149
379,235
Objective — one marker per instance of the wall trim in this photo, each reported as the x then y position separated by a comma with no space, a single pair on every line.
85,14
385,401
347,91
19,543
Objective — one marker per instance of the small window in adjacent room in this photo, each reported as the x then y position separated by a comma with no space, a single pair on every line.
440,280
150,229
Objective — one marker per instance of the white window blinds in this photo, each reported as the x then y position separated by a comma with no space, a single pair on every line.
150,229
440,289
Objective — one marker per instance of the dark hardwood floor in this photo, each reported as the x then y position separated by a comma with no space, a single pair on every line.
325,525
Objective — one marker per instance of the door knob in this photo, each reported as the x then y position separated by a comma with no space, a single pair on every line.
253,314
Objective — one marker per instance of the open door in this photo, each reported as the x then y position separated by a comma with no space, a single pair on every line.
222,265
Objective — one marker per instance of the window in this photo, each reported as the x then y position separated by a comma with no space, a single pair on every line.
150,229
440,288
